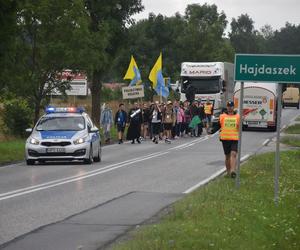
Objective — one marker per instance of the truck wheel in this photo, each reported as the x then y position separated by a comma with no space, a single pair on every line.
298,105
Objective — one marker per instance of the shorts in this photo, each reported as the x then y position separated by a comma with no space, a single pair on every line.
208,118
120,128
168,126
156,128
229,146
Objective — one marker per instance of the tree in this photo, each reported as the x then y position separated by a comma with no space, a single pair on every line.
8,13
204,34
197,36
107,26
50,38
243,36
286,40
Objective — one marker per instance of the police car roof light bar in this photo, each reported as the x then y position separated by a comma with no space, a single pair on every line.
51,109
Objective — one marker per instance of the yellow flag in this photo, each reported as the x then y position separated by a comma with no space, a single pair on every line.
130,74
153,76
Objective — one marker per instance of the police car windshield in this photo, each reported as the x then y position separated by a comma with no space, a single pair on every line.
61,123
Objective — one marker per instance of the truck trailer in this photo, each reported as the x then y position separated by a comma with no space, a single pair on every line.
211,81
259,105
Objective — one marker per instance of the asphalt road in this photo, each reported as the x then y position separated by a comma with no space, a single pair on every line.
68,206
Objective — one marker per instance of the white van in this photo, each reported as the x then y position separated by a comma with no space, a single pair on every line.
290,97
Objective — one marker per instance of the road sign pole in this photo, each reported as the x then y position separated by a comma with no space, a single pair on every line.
277,154
237,182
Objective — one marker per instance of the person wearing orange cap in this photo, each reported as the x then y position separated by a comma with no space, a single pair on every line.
229,136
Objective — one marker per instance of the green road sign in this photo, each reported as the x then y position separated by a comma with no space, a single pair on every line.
267,68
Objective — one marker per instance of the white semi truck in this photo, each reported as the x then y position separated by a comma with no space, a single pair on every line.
259,105
208,80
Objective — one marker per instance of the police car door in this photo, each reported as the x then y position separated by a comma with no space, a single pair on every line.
94,136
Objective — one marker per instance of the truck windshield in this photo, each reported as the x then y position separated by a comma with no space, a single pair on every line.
202,85
61,123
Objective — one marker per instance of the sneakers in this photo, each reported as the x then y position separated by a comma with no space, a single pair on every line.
155,140
138,141
233,175
167,141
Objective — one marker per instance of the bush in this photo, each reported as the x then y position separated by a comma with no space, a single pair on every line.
17,116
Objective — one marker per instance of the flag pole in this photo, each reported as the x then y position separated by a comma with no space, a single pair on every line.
160,94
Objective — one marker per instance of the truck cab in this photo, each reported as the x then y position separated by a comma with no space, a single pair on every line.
211,81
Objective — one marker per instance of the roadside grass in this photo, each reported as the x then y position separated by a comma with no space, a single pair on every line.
293,129
218,216
291,141
12,150
298,119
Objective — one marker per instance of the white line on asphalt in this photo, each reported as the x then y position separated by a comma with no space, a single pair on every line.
283,128
204,181
82,175
265,143
191,143
201,183
204,139
79,178
92,173
245,157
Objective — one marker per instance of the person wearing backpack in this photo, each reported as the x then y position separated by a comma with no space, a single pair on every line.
168,121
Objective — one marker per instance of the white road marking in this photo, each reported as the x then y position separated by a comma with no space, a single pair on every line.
16,193
213,176
265,143
58,182
201,183
191,143
245,157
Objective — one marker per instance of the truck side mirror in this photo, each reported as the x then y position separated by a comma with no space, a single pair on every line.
224,85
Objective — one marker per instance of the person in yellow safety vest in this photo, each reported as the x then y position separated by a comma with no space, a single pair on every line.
229,136
208,110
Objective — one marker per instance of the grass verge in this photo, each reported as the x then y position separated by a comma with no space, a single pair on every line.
298,119
218,216
294,129
12,150
291,141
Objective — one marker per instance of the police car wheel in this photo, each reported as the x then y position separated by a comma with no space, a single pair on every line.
90,159
30,162
98,157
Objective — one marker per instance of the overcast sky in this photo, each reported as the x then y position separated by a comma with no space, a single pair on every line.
273,12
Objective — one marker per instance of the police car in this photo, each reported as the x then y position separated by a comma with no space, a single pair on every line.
63,134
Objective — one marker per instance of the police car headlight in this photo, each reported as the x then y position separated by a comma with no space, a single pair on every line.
80,140
34,141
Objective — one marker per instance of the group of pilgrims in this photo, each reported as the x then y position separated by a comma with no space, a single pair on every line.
162,121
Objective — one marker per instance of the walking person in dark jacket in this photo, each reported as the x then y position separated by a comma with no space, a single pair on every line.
156,120
120,122
135,120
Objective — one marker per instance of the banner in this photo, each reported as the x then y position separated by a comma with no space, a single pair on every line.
133,92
